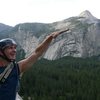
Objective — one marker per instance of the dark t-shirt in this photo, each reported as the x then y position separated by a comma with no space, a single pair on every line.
9,87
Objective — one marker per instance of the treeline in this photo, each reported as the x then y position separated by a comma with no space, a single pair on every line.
67,78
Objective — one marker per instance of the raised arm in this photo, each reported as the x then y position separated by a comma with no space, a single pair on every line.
29,61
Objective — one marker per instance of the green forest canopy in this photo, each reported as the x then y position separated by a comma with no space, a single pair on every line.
67,78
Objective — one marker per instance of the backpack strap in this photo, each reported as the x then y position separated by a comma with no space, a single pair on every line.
6,72
18,75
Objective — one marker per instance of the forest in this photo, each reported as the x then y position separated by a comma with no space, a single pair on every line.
67,78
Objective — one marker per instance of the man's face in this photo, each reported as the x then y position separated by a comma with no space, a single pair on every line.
10,52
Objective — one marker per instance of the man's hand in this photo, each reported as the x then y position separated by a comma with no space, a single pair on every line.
55,34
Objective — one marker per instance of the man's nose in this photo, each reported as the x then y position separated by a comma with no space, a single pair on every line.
14,49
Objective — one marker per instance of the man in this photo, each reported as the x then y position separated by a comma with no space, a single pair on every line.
9,79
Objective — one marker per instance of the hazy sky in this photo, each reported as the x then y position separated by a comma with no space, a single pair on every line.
13,12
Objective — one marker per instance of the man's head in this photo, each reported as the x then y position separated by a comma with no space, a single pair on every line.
8,49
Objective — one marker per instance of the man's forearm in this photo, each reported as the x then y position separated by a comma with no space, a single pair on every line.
44,45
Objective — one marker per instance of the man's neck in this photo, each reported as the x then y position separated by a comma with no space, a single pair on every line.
3,62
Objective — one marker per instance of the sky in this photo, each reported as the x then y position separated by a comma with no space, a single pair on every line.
13,12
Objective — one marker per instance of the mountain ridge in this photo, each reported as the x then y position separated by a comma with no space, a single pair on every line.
81,41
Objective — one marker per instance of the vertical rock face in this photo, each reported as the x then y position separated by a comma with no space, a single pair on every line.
82,40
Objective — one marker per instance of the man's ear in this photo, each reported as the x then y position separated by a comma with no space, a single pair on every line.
1,53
